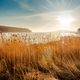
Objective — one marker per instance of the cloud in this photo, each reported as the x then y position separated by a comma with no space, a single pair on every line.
49,2
37,22
41,21
77,8
24,4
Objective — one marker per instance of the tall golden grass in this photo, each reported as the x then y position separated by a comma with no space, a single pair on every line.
55,60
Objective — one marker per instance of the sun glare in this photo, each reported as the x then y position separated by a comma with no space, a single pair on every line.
65,22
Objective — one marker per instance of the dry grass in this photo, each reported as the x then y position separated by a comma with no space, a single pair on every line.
56,60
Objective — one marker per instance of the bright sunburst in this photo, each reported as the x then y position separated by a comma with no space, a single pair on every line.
65,21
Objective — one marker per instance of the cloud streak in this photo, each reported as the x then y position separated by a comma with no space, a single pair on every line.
23,4
40,15
38,22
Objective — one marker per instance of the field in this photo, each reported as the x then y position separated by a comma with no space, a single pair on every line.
53,60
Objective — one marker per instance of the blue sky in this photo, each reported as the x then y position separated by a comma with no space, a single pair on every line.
38,15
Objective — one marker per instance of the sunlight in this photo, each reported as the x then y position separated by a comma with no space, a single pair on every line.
65,22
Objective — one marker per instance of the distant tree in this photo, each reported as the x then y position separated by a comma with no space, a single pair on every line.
78,30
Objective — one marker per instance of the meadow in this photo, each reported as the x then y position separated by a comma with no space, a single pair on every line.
53,60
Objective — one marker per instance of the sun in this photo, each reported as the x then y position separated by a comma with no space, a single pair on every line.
65,22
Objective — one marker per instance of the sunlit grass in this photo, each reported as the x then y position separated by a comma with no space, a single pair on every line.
43,61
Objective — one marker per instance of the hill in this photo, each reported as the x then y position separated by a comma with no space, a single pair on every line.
13,29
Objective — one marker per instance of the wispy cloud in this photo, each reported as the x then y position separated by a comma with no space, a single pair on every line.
50,2
39,15
37,22
23,4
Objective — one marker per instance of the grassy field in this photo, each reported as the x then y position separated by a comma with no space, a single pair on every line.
55,60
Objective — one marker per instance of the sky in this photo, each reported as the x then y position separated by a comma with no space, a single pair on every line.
41,15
